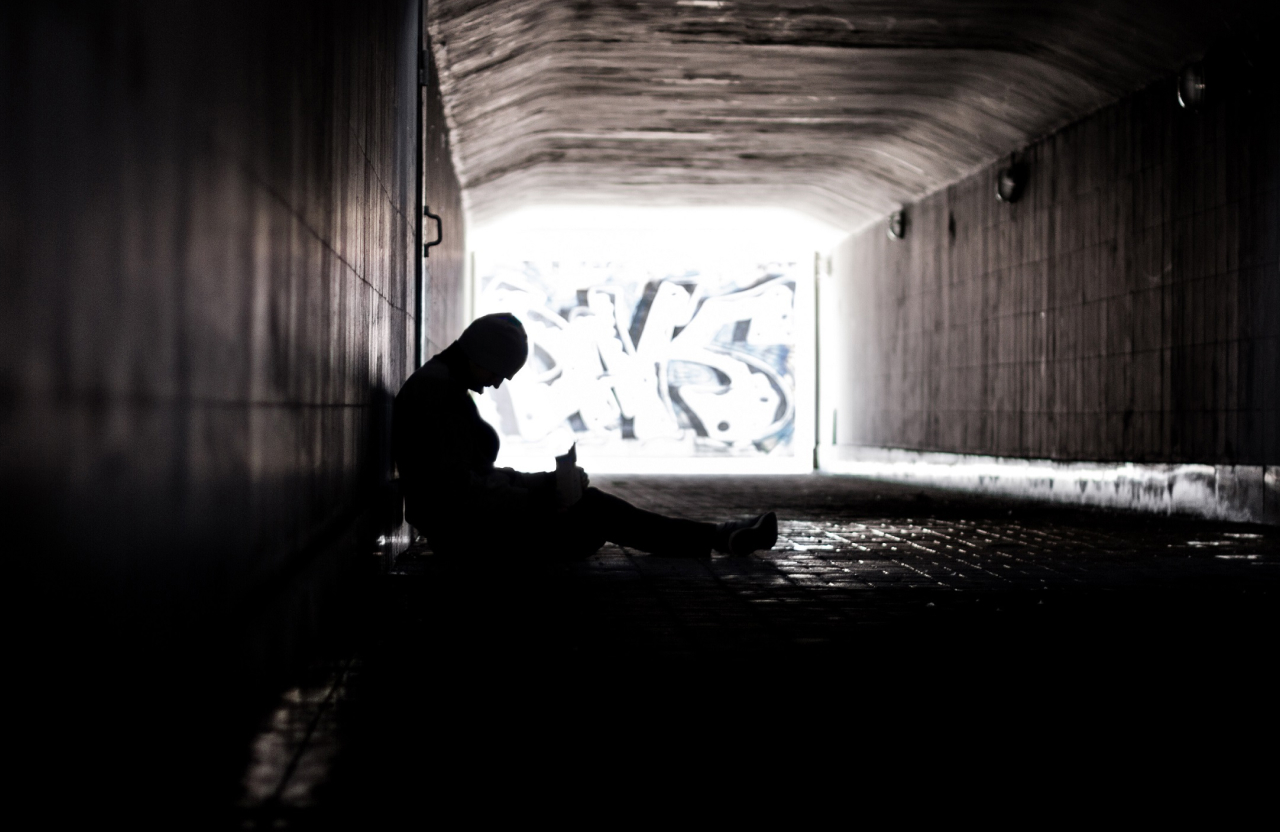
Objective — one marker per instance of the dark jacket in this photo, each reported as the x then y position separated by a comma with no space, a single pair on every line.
445,452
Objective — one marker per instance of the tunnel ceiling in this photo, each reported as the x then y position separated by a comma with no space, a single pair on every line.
841,109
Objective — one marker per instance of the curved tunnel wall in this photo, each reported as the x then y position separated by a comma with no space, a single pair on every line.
1125,309
442,193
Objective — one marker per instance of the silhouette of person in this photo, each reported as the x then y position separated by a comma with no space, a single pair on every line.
462,503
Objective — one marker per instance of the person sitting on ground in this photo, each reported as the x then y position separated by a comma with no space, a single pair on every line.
455,496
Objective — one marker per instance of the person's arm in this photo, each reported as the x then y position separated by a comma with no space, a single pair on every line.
533,480
456,483
509,488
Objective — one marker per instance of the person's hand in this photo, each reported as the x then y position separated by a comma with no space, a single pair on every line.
563,500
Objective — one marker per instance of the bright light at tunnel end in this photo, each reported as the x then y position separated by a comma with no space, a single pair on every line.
592,230
607,255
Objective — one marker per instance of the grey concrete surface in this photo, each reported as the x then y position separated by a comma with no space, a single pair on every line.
844,109
209,255
209,233
446,268
1243,493
1124,309
212,286
888,621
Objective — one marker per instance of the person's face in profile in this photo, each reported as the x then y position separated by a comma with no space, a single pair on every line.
482,377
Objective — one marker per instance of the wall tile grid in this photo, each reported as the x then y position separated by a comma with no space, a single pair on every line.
211,216
1124,309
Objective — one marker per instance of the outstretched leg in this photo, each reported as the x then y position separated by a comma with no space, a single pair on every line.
600,516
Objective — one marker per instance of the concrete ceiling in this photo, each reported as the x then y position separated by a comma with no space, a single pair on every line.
841,109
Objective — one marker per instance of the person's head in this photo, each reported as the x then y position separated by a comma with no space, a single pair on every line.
496,348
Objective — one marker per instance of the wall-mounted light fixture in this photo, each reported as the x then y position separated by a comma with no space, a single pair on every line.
1191,85
898,224
1011,181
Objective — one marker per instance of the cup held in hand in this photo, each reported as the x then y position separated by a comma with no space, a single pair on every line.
568,478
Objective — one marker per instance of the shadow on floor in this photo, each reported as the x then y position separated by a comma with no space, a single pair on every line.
889,626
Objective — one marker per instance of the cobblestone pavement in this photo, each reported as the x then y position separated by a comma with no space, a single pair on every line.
878,598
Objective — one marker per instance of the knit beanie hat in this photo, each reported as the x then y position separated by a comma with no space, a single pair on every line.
496,342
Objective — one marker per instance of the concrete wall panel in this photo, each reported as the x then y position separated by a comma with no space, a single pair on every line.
1124,309
209,231
442,193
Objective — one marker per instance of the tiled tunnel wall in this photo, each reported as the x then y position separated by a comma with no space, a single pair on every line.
209,238
1124,309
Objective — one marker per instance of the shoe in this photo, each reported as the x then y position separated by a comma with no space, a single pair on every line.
742,537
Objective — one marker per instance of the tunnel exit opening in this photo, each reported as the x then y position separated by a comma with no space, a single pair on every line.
662,340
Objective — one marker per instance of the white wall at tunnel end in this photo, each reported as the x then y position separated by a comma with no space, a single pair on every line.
567,266
1240,493
615,231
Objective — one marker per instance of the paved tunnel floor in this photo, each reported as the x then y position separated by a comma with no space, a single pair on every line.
887,617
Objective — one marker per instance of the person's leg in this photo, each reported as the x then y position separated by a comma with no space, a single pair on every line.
599,516
520,534
596,518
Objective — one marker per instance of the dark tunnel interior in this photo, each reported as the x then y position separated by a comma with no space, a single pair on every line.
1042,402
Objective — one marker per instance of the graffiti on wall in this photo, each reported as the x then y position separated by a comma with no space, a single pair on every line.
676,366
